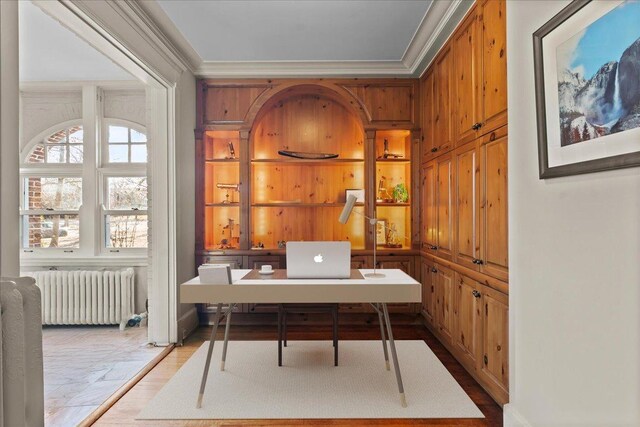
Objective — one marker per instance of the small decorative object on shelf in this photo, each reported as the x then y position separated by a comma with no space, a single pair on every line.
234,187
359,193
392,237
282,244
309,156
258,246
381,232
231,231
386,154
383,195
400,193
232,151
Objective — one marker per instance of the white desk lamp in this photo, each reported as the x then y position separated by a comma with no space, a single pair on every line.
344,217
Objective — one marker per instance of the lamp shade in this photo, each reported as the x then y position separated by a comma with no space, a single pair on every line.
348,207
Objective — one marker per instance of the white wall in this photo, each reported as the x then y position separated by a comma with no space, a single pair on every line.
574,267
9,117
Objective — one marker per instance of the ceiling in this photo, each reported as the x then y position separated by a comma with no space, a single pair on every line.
280,38
313,30
51,52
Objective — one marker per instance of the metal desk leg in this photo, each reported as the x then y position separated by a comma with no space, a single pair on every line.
394,355
384,339
212,340
226,337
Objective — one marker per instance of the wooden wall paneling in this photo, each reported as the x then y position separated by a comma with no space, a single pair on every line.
415,192
387,103
429,223
494,205
444,207
428,101
467,78
494,63
494,364
468,320
229,104
467,199
444,302
443,119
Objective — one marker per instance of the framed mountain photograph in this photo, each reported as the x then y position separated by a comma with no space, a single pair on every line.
587,75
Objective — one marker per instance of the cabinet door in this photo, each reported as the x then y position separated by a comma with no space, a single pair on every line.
428,110
428,230
443,124
467,314
467,80
494,64
444,207
429,278
467,183
256,262
444,302
495,343
494,220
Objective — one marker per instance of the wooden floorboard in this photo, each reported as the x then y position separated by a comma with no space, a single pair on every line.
124,411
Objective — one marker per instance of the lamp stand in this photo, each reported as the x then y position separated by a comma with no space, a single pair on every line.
375,274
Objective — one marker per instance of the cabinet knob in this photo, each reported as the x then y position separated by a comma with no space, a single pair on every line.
434,149
433,270
476,126
433,247
477,261
475,293
486,360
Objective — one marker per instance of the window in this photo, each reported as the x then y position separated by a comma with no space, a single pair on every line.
107,172
64,146
125,216
50,212
126,145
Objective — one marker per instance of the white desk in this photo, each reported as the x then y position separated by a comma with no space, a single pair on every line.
396,287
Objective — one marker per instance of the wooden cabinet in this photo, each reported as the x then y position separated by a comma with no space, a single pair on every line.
444,207
493,18
275,261
494,366
467,206
444,302
428,279
494,258
467,64
467,315
443,93
428,219
429,146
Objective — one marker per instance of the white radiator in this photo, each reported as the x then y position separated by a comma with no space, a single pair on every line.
86,297
21,373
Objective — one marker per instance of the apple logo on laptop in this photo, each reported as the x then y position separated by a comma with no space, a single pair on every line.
318,258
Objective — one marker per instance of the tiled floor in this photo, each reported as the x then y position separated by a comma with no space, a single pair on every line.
85,365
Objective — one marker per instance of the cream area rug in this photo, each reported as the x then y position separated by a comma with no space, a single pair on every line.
309,386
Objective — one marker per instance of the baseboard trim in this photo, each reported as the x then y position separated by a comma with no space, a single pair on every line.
513,418
187,323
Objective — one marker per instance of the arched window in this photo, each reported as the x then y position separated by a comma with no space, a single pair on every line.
62,146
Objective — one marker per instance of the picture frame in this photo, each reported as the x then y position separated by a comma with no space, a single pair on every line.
358,192
587,103
381,232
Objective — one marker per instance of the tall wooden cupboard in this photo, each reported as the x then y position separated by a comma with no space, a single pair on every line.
463,187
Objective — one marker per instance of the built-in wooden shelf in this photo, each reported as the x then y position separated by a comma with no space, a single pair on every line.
402,160
393,204
231,204
222,160
327,162
302,205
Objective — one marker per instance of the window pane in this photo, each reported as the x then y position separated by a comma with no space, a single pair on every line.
75,135
37,154
118,134
59,137
138,136
75,153
53,193
127,192
51,231
139,153
126,231
119,153
56,154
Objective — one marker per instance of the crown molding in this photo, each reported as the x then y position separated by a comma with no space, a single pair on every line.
436,27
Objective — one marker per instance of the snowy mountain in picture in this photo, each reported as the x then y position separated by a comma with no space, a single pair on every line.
608,101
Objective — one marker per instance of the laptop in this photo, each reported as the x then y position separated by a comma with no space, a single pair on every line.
318,260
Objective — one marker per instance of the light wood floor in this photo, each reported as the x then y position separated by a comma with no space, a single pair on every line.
124,412
84,365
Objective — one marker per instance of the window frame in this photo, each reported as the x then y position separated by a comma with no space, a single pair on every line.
104,143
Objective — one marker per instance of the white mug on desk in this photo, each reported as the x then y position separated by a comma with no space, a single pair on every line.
266,269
